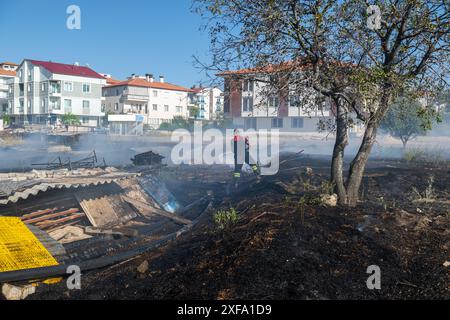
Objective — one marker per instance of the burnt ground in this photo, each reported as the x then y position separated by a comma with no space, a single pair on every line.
287,245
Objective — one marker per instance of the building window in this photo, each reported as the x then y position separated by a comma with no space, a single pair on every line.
86,88
179,109
248,86
155,93
155,107
85,120
29,104
68,86
55,87
294,101
29,87
117,92
103,107
166,108
297,122
277,122
116,106
274,102
29,75
55,104
43,86
86,107
67,105
247,104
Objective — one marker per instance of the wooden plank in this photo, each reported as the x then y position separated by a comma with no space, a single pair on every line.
53,215
37,213
49,223
104,207
145,208
71,223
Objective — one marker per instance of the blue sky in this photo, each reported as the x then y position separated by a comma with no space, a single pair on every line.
116,37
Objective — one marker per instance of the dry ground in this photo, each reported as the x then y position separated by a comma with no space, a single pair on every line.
286,245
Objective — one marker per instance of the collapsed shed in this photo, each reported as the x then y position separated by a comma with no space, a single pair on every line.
90,216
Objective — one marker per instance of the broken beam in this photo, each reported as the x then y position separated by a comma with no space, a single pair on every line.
50,216
147,209
49,223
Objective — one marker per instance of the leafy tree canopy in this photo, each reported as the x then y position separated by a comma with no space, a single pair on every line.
70,119
407,118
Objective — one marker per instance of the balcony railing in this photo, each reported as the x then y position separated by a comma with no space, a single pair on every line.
134,97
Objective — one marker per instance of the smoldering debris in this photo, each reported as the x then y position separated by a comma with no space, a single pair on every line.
91,161
147,159
93,215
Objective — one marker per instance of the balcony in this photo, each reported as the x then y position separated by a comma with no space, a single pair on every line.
126,96
54,88
54,104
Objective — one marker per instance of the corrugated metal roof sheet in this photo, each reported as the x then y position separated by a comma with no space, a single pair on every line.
45,185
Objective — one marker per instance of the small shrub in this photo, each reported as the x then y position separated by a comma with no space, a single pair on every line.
326,187
307,185
165,126
435,156
428,194
224,220
412,155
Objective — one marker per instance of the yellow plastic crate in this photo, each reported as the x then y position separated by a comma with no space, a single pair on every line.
19,247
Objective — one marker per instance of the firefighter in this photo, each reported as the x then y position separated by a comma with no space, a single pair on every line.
239,153
248,159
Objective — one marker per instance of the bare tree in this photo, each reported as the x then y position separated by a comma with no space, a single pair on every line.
342,50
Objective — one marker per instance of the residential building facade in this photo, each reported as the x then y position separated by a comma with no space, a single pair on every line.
209,102
7,75
248,103
157,101
42,92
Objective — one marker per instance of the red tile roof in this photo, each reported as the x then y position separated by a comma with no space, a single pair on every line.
197,89
138,82
281,67
67,69
264,69
9,63
4,72
111,81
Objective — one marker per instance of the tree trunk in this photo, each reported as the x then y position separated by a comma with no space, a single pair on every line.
358,164
404,141
337,165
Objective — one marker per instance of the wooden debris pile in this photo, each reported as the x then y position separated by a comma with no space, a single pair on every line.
147,159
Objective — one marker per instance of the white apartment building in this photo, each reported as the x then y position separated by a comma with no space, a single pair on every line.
248,102
7,74
209,102
44,91
157,101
